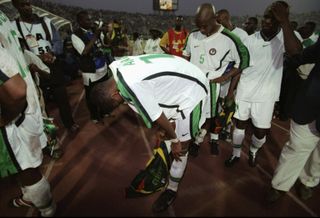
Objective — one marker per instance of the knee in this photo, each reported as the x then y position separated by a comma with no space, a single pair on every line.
240,124
260,133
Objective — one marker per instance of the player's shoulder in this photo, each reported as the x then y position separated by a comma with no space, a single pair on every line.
196,34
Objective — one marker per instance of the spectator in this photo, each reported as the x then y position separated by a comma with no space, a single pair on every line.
40,36
173,41
116,39
137,46
92,62
153,44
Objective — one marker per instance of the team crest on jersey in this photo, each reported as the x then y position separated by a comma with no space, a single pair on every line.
212,51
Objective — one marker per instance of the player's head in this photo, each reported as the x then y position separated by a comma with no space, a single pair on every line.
84,20
269,23
310,27
251,25
105,96
223,17
205,19
155,33
24,7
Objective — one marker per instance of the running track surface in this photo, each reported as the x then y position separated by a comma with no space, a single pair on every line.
102,159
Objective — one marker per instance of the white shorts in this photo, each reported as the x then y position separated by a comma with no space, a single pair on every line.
22,146
260,113
189,127
211,101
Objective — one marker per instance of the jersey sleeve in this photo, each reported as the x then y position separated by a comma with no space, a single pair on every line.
8,66
239,54
77,43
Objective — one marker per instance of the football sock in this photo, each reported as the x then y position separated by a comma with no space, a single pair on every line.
40,195
238,136
176,172
256,143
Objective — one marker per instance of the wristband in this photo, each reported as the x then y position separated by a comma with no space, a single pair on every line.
176,140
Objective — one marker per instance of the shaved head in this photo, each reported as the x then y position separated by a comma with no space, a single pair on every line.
205,11
205,19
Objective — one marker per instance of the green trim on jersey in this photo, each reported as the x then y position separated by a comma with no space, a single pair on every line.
129,96
307,42
195,120
241,48
213,99
8,163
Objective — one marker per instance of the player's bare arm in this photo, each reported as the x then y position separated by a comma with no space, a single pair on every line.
176,147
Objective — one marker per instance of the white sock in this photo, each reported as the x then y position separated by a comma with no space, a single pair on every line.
200,137
176,172
237,138
256,143
40,195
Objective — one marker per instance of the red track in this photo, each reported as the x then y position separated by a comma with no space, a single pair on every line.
101,160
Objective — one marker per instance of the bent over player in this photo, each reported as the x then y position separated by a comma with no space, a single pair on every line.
162,88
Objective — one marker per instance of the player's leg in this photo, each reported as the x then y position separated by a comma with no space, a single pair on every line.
241,116
261,116
35,192
186,130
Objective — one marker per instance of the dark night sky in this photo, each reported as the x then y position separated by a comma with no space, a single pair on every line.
188,7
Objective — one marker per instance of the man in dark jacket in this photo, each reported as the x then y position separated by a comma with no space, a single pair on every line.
300,157
92,62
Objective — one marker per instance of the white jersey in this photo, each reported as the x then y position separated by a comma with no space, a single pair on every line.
161,83
137,48
261,82
213,54
35,35
243,35
153,46
30,135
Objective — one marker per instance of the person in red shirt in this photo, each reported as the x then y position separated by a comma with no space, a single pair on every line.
174,39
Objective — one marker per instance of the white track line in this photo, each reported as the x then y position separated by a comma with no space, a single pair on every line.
280,127
294,198
60,141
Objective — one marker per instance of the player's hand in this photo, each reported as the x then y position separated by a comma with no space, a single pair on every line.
176,149
220,79
33,68
47,58
280,11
